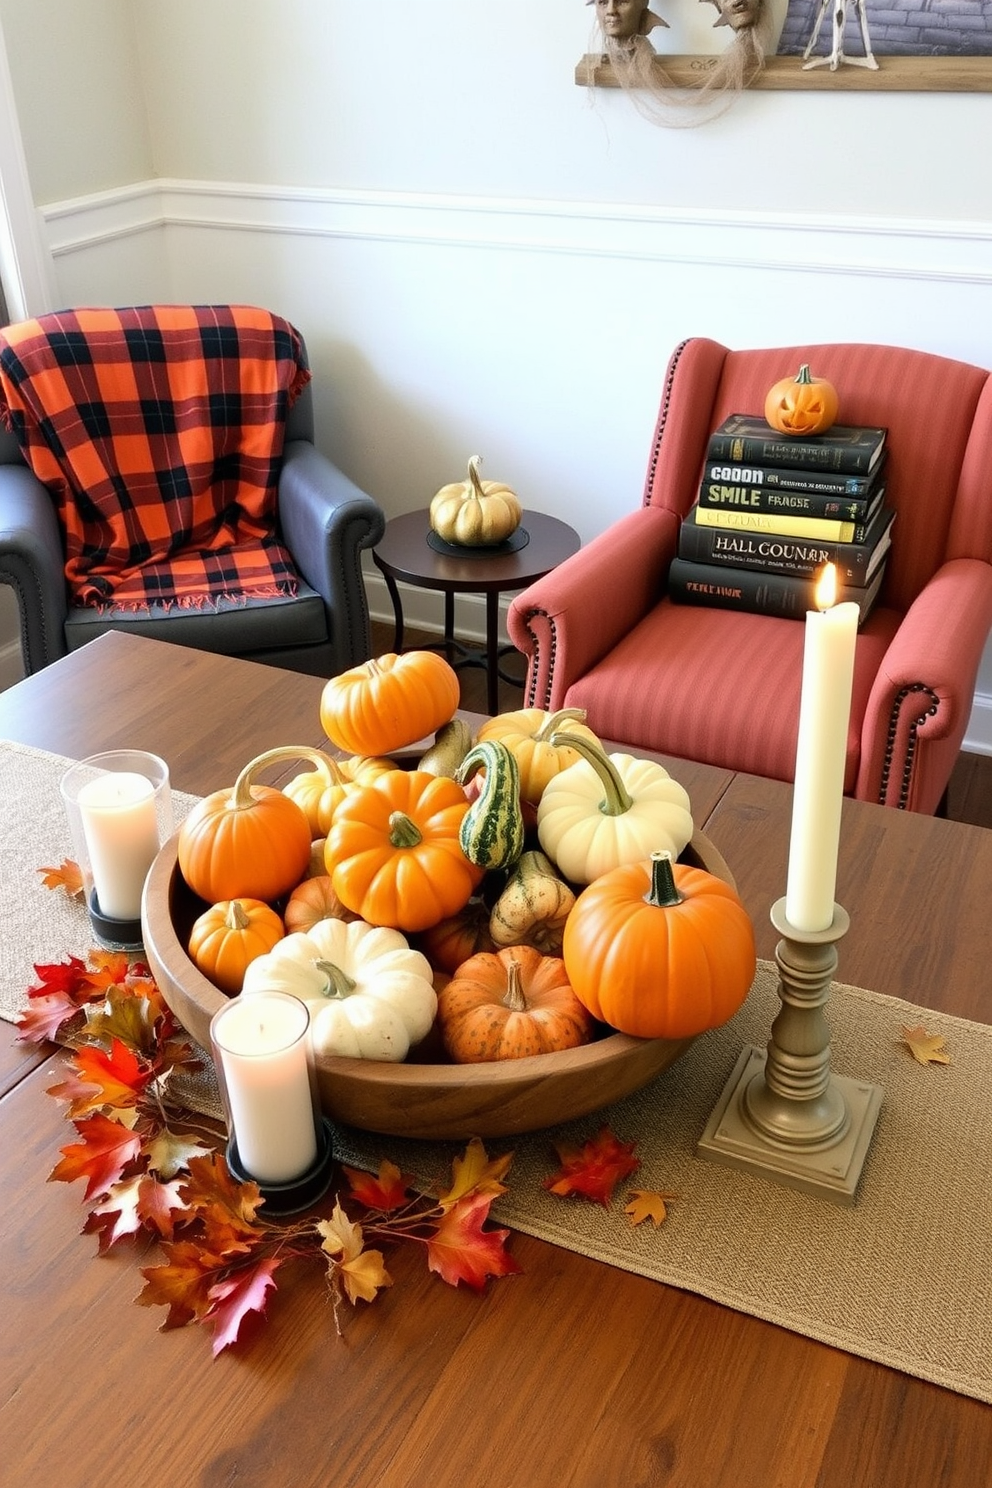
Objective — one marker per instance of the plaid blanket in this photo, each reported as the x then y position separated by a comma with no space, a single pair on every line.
158,431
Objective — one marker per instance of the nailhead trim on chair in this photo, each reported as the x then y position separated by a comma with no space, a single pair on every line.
666,398
531,701
907,773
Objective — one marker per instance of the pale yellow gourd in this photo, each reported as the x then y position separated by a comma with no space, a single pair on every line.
609,810
475,513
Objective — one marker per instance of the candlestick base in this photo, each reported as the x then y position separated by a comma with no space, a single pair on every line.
783,1114
298,1194
111,934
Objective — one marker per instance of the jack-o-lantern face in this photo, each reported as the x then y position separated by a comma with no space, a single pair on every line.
801,405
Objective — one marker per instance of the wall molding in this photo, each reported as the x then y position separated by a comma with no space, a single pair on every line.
951,252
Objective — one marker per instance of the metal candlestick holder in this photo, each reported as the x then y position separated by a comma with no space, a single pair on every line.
783,1114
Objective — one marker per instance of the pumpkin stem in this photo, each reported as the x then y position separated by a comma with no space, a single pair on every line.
555,721
475,484
514,998
663,893
403,831
241,796
338,982
804,374
616,799
236,918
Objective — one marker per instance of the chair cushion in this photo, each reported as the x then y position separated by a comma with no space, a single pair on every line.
159,431
232,629
656,690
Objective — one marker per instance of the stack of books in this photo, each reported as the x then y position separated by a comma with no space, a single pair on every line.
772,511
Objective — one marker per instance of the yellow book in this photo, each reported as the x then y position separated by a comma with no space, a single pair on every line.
823,529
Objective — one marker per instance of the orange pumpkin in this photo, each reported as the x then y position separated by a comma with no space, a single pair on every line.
454,939
312,901
508,1005
247,842
228,936
659,950
393,851
803,404
389,702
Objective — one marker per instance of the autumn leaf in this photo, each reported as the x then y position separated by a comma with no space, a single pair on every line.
43,1017
182,1284
461,1250
227,1208
100,1079
66,876
361,1272
926,1048
475,1173
118,1215
236,1296
593,1171
168,1152
645,1204
384,1191
101,1157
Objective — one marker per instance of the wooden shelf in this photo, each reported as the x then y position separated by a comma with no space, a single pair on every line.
894,74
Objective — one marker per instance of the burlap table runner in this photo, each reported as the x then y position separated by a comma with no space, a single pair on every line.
903,1277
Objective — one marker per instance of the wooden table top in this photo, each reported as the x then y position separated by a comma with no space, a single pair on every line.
573,1375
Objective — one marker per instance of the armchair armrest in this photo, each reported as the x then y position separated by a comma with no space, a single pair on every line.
326,522
32,563
567,621
921,701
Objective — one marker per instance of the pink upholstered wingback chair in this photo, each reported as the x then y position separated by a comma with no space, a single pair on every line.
722,686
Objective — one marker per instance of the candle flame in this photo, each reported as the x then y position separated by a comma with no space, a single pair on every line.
826,587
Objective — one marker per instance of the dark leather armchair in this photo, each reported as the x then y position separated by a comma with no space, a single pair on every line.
722,687
321,518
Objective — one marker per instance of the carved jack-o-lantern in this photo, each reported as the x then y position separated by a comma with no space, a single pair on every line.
801,405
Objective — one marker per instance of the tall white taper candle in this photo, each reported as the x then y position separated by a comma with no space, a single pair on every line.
821,754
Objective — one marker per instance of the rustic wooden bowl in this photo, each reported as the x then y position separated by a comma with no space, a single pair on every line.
420,1098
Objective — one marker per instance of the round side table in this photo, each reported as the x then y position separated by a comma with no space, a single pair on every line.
405,555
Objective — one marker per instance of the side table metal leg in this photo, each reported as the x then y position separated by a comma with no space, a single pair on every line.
449,624
394,595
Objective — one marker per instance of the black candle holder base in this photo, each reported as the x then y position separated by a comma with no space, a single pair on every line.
113,935
296,1194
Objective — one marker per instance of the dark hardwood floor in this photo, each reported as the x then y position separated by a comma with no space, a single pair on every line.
969,796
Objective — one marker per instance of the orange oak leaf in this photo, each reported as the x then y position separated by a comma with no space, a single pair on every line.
593,1170
384,1191
645,1204
461,1250
66,876
476,1173
236,1296
926,1048
101,1157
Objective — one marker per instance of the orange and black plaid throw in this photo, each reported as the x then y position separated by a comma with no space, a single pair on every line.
158,431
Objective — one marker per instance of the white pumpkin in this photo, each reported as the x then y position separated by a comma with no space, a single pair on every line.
608,810
369,994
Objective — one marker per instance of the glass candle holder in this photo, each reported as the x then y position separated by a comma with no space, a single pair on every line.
262,1050
119,809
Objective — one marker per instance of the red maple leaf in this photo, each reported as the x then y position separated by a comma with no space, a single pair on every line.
594,1170
101,1157
385,1190
236,1296
461,1250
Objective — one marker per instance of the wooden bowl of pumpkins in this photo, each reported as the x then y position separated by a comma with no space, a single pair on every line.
496,932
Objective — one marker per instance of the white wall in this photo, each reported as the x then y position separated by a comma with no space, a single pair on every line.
484,257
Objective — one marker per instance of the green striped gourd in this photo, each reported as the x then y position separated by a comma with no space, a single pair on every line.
492,830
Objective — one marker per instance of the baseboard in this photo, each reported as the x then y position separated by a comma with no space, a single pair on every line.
423,609
978,736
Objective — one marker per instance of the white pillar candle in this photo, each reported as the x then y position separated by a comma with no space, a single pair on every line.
821,755
262,1042
120,826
